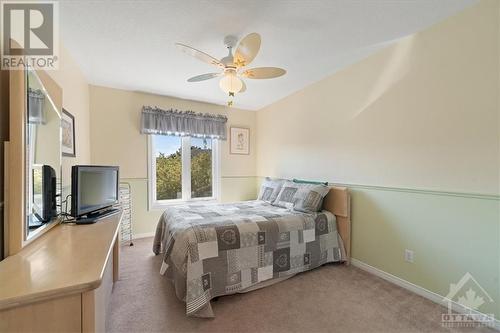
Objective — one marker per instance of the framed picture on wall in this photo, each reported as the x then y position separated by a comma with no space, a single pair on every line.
68,134
239,141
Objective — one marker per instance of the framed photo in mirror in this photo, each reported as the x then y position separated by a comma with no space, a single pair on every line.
68,134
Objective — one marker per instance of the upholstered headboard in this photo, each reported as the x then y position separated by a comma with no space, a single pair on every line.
338,202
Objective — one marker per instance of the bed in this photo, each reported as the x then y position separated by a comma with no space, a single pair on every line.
212,250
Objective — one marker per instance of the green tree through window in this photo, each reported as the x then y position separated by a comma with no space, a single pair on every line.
169,159
201,168
169,176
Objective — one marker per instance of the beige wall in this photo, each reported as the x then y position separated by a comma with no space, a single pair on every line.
75,101
420,120
422,113
116,140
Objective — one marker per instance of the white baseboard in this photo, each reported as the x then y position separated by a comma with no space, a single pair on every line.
144,235
432,296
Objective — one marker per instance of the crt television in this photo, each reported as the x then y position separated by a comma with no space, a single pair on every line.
93,189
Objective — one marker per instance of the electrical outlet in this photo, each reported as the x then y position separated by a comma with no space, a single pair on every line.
409,256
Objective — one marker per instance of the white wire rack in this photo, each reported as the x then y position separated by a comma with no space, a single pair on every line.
125,204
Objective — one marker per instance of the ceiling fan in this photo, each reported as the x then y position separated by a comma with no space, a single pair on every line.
232,66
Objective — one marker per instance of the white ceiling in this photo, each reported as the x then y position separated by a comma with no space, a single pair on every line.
130,44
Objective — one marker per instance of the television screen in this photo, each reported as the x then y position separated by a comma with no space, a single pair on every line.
94,188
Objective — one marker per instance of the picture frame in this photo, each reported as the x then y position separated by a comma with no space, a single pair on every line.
68,146
239,141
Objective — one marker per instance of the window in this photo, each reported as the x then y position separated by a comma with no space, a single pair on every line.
168,167
201,168
182,169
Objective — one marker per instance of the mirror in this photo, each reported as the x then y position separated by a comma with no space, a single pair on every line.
43,157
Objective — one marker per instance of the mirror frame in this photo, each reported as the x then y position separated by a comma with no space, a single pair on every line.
38,231
15,161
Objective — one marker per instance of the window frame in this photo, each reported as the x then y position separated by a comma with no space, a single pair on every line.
153,203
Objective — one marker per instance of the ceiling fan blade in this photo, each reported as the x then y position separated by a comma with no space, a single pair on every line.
199,55
247,49
263,72
203,77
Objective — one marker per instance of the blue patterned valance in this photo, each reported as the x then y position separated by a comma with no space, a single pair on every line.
182,123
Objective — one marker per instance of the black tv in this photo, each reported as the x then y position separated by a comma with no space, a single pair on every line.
44,192
94,189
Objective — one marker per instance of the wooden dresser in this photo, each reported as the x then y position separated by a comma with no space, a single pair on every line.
62,281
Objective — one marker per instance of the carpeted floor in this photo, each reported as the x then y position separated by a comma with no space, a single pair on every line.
332,298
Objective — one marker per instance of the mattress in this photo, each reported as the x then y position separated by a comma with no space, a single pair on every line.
212,250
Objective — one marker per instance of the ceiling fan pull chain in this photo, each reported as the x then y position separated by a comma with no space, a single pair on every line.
231,99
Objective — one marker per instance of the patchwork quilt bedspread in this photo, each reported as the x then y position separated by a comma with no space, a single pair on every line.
212,250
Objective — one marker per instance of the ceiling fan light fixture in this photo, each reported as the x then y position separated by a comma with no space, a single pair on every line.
232,64
230,83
